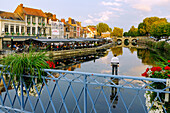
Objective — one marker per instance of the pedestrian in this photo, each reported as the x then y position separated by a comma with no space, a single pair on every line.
114,64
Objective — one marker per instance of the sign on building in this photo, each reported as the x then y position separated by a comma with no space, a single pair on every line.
57,29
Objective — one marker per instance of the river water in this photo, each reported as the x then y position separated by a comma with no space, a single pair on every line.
133,62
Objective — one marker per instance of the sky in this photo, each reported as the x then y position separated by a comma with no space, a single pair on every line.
115,13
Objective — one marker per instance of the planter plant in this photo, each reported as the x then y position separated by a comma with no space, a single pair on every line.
18,34
12,34
27,64
29,23
23,34
162,73
33,23
39,23
7,33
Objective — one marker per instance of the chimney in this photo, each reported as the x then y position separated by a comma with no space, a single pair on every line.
54,17
21,5
69,20
63,20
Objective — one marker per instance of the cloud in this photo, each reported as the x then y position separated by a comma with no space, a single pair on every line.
116,9
110,3
146,8
146,5
90,16
88,21
104,16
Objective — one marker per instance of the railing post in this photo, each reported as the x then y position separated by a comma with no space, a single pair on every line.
85,94
167,94
22,94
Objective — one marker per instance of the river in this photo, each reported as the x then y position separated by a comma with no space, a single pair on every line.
133,62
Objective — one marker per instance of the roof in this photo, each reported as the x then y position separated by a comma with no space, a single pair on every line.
66,40
9,15
21,10
35,12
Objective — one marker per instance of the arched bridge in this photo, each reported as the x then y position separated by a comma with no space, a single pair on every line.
125,41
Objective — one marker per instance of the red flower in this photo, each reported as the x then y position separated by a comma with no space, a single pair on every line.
153,69
168,61
152,73
167,68
168,75
53,65
147,69
145,74
158,69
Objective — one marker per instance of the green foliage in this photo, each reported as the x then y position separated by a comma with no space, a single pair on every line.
23,33
26,63
18,34
125,34
117,32
141,29
102,27
159,29
133,32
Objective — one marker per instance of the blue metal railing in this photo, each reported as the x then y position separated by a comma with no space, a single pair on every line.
66,91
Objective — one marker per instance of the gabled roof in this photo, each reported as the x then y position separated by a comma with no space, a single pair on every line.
29,11
9,15
35,12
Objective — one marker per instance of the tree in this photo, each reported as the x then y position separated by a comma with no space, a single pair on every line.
147,22
160,29
102,27
117,32
125,34
133,31
141,29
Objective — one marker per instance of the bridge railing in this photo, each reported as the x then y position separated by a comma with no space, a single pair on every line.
66,91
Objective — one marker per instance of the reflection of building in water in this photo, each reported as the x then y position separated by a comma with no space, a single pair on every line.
132,49
72,68
117,50
114,96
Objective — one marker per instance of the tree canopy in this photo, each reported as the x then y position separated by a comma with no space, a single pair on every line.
151,26
103,27
117,32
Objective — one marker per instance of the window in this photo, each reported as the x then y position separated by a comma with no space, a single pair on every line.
17,29
22,29
74,28
28,30
6,28
28,19
44,31
39,30
12,29
39,20
43,20
33,19
33,30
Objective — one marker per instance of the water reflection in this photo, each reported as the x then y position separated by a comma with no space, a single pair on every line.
114,94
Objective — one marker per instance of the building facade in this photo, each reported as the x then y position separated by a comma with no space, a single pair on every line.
35,21
57,27
105,34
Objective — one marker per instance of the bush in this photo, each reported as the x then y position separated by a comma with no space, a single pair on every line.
160,45
27,63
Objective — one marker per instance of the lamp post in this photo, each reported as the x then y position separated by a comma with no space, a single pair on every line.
12,43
